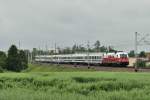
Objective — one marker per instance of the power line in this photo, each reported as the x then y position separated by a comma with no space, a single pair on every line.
139,41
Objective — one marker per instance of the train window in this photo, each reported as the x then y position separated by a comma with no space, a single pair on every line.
90,57
97,57
79,57
93,57
123,55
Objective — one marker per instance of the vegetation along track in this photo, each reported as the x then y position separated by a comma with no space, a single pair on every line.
94,68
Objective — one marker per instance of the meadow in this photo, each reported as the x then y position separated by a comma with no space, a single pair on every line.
56,68
74,86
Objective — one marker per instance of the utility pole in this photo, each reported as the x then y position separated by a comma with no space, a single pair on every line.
46,48
57,60
31,57
55,48
88,46
136,52
138,42
19,45
39,53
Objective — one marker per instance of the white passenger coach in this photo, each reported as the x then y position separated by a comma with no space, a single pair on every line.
92,58
116,58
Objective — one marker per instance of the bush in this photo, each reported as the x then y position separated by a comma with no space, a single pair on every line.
140,63
1,70
3,58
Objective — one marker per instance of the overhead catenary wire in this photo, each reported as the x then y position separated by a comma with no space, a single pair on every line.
140,41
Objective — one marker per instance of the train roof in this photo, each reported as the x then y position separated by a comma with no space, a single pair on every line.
82,54
70,55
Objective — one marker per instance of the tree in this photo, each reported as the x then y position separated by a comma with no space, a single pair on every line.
74,48
23,59
13,61
81,48
142,54
131,53
34,53
67,50
111,49
97,46
103,49
3,58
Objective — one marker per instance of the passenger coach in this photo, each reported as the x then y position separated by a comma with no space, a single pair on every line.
117,58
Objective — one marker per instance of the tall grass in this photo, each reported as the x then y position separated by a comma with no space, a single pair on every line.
56,68
75,86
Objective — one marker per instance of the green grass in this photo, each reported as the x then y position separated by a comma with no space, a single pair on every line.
55,68
75,86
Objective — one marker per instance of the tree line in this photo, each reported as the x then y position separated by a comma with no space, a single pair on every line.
141,54
17,60
96,47
80,48
14,60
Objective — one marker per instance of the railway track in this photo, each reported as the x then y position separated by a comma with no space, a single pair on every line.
116,68
106,68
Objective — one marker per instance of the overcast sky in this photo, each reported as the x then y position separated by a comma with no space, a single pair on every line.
66,22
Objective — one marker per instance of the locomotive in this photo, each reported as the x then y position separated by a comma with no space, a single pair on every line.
115,58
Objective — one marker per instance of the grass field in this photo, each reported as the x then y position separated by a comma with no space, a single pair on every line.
75,86
56,68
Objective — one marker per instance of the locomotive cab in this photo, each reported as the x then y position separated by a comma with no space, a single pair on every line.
117,58
122,58
122,55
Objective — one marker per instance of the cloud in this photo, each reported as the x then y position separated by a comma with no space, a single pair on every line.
37,22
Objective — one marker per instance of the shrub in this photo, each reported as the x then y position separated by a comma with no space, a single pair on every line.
1,70
3,58
140,63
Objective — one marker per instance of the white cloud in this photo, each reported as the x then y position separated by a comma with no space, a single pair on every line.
35,22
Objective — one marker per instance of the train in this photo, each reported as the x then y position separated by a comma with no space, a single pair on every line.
114,58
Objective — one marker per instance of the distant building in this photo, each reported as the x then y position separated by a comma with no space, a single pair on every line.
148,55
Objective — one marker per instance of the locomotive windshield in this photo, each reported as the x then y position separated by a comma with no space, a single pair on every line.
123,55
